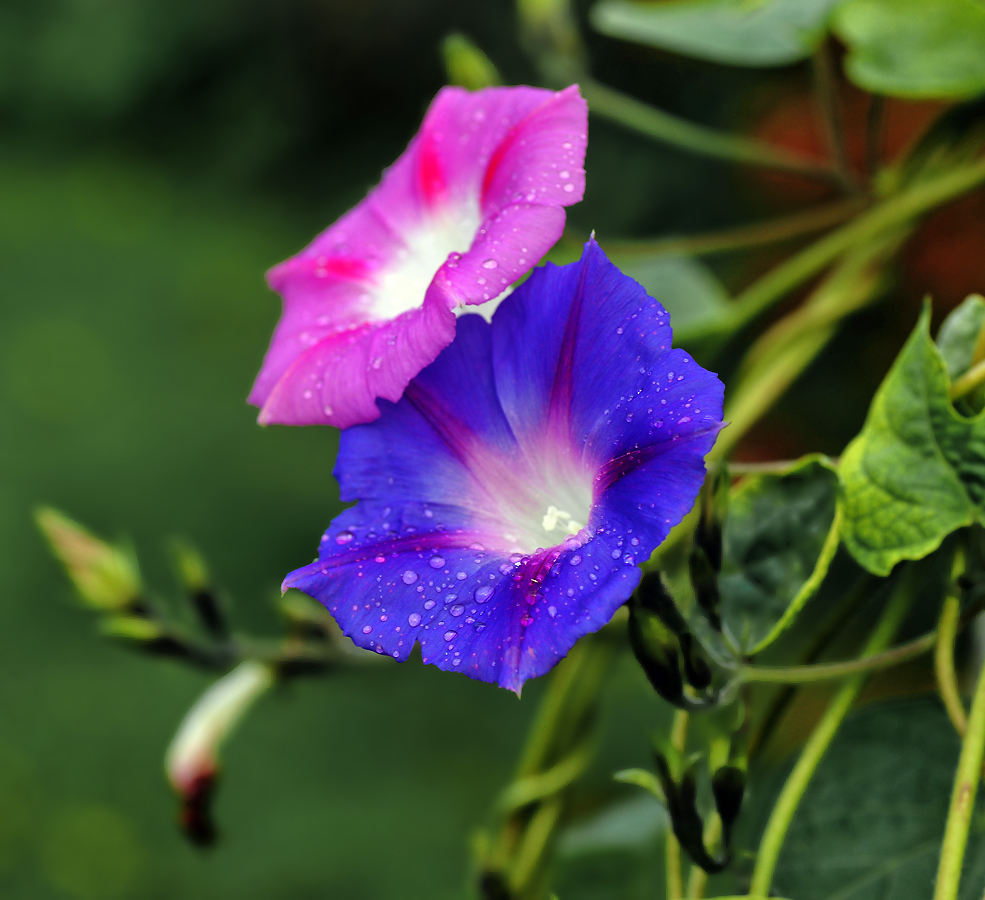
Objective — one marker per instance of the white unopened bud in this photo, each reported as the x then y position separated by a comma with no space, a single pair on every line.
193,757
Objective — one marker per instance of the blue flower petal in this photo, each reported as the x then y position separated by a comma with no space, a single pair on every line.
506,501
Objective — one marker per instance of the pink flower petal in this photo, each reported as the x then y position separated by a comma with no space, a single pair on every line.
472,205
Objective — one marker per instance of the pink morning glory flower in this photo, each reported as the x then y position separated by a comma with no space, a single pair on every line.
470,206
506,501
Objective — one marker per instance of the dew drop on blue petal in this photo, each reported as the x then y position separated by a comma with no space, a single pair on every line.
483,593
429,604
457,610
575,560
409,577
343,537
414,619
367,629
450,635
436,562
461,576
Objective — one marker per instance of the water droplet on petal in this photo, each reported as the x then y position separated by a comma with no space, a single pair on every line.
429,604
489,264
575,560
414,619
409,577
569,187
436,562
367,629
343,537
483,594
457,610
450,635
461,576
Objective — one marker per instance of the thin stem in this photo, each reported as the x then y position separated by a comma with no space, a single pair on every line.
758,234
877,662
873,133
974,377
966,780
818,743
672,848
899,209
828,671
535,840
826,91
697,879
947,682
670,129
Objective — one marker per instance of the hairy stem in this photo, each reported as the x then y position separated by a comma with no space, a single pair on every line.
962,798
669,129
818,743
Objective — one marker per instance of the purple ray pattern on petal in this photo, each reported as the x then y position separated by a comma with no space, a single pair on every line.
506,501
472,204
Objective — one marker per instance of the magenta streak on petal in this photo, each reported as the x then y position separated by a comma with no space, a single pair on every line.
622,465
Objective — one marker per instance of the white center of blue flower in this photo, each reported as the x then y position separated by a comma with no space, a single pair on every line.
402,284
544,511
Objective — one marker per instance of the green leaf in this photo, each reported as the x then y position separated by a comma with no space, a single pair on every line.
686,287
916,472
739,32
914,48
871,822
779,538
959,334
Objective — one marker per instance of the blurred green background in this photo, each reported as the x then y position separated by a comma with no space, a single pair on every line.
156,157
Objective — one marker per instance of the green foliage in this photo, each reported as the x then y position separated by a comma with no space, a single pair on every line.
780,536
738,32
914,48
959,335
871,822
916,472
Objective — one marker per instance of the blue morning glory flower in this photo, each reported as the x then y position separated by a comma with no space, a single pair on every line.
506,501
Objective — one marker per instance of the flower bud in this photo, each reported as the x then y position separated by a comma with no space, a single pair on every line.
728,786
466,65
194,575
105,576
192,760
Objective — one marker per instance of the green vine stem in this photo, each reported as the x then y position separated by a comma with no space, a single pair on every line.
809,674
772,231
819,741
826,92
947,682
557,751
962,799
672,847
781,355
965,384
669,129
899,209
